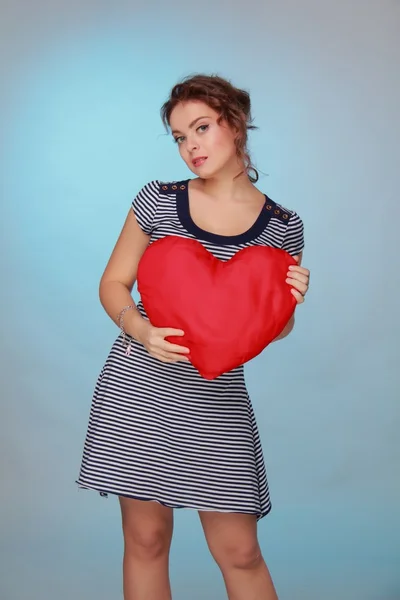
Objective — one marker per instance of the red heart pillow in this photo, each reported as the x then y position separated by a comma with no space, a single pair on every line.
230,311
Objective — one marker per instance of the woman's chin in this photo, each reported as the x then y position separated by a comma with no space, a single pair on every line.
203,173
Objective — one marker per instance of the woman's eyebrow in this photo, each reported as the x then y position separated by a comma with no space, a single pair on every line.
191,124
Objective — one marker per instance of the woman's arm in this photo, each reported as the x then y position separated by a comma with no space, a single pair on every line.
120,275
286,331
115,293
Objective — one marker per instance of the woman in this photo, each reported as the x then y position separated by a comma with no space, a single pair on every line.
160,436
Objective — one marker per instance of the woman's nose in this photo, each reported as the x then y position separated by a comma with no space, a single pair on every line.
192,144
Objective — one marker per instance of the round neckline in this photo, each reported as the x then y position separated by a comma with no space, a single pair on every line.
183,209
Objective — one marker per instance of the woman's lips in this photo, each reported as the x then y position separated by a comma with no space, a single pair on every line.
200,160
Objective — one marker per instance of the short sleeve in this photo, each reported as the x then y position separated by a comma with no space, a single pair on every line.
145,205
294,236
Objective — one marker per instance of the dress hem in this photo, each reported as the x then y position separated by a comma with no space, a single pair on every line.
106,493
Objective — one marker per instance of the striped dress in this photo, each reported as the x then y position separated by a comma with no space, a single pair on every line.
159,431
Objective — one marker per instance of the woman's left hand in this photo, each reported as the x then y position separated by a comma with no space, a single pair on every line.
299,278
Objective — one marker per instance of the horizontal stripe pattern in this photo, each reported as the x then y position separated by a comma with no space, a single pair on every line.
160,432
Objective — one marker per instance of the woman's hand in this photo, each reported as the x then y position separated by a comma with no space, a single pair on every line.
153,339
299,278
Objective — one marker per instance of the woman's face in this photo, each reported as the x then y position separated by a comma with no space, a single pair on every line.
206,146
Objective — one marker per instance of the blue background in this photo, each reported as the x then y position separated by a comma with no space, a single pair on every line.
82,84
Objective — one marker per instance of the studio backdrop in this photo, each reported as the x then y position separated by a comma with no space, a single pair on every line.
81,88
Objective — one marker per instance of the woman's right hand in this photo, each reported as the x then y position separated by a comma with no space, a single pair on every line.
153,339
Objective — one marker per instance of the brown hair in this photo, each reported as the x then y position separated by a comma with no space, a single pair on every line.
232,104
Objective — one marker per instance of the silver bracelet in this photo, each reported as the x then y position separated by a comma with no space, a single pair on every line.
120,319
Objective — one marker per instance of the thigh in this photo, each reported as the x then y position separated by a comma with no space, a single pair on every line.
146,523
231,537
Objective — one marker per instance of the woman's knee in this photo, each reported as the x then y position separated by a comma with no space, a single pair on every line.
232,539
147,543
147,533
244,556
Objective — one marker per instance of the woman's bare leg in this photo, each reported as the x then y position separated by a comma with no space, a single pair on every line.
232,539
147,529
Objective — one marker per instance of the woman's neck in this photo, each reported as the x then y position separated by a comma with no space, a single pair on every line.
227,187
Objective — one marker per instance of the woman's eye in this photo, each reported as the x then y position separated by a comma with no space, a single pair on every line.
181,138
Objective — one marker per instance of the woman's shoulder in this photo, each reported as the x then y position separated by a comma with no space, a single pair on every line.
281,212
172,187
159,186
287,225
